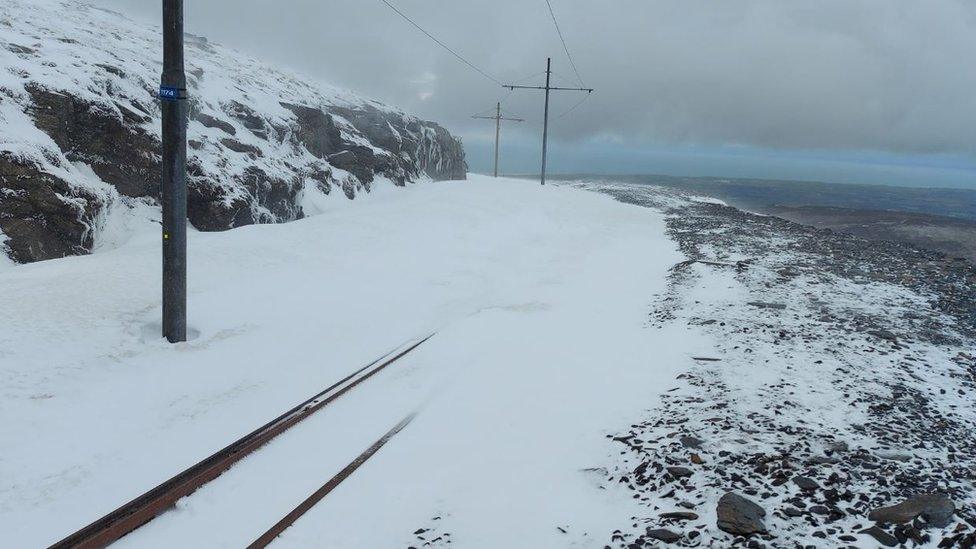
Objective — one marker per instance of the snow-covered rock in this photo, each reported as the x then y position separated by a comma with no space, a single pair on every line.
80,131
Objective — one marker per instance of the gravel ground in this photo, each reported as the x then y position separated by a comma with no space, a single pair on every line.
842,382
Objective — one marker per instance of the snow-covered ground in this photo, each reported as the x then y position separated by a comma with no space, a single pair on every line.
559,404
540,299
842,383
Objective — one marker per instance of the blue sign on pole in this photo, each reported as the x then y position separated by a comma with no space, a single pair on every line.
170,94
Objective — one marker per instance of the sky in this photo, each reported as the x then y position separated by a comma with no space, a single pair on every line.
872,91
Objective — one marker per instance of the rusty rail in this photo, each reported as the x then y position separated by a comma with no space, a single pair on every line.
153,503
316,497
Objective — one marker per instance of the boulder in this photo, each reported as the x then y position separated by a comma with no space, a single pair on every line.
887,335
894,455
691,442
680,515
740,516
767,305
838,447
882,537
806,484
660,534
679,472
934,508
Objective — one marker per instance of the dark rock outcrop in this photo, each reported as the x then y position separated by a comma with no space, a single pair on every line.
43,217
122,153
112,143
259,140
316,130
415,148
212,122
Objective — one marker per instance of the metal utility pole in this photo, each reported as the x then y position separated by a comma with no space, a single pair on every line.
498,128
545,123
172,94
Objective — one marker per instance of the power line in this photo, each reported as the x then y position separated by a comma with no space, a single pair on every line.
563,40
574,107
506,96
559,77
533,75
501,101
441,44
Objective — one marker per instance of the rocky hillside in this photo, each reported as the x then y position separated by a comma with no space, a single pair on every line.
80,133
836,406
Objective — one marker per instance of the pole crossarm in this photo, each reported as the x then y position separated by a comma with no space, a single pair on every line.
499,118
551,88
498,127
545,117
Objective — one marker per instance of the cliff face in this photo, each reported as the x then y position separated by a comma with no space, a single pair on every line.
80,133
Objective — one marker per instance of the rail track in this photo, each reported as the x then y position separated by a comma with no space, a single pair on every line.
342,475
158,500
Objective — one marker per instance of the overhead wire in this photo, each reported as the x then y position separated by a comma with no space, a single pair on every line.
506,96
485,74
559,76
441,44
563,40
484,112
574,107
533,75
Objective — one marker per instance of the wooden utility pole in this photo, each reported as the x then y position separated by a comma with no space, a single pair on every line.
172,93
545,123
498,128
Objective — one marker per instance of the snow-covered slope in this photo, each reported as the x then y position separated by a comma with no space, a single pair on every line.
539,296
588,385
80,127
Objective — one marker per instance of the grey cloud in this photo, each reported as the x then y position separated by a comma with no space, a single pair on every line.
889,75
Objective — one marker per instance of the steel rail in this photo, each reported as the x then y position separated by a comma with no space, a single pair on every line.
319,494
156,501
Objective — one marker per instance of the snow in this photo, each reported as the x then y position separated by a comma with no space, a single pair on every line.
113,64
793,380
5,261
539,297
707,200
